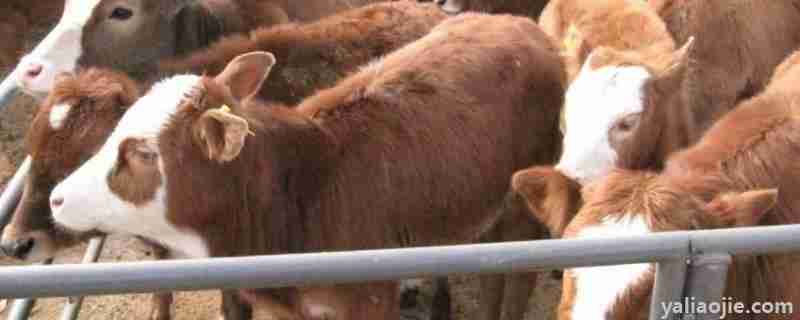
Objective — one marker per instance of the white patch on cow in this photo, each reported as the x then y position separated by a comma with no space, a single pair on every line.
60,50
89,203
597,288
58,114
594,102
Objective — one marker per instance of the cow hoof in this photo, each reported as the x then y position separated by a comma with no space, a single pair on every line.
162,313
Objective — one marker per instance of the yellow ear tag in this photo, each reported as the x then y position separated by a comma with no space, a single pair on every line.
225,108
572,39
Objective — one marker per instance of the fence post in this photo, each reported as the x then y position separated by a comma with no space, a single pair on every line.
669,287
13,192
73,305
706,281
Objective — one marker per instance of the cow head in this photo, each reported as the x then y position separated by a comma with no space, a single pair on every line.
126,35
123,188
72,123
606,105
638,203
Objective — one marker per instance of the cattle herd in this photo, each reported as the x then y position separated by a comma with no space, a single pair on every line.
216,128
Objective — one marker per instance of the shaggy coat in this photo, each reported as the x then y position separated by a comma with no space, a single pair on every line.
730,178
739,44
316,55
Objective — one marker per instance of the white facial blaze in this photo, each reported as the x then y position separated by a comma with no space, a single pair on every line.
594,102
60,50
59,114
597,288
89,203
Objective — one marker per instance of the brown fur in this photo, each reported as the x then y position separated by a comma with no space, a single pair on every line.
530,8
17,19
630,26
739,43
749,149
134,178
316,55
431,146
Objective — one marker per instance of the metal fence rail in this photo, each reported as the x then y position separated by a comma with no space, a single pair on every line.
701,253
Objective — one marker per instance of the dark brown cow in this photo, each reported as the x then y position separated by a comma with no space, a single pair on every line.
413,149
132,35
730,178
530,8
18,18
316,55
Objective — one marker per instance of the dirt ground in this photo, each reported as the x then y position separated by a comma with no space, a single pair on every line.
14,121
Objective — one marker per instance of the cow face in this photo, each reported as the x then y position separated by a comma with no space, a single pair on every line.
70,126
126,35
601,106
636,203
123,188
605,106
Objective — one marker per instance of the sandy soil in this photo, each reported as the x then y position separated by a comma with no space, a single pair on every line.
14,121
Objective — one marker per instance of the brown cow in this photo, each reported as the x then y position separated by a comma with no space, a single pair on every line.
18,18
316,55
131,36
583,25
530,8
417,131
730,178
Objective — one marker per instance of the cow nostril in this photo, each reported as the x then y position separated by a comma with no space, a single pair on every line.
56,202
34,71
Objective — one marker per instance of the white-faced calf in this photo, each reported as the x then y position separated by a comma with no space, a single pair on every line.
201,169
730,178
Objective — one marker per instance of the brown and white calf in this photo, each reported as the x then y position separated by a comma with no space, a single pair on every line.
629,42
530,8
417,130
70,126
132,35
315,55
741,173
639,115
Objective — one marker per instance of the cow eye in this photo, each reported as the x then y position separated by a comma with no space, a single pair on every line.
147,156
628,122
121,13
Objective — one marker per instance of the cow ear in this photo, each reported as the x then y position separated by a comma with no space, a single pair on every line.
551,198
742,209
680,59
245,74
221,134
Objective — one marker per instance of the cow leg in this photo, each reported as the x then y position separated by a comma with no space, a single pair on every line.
440,309
162,304
491,286
516,225
233,307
